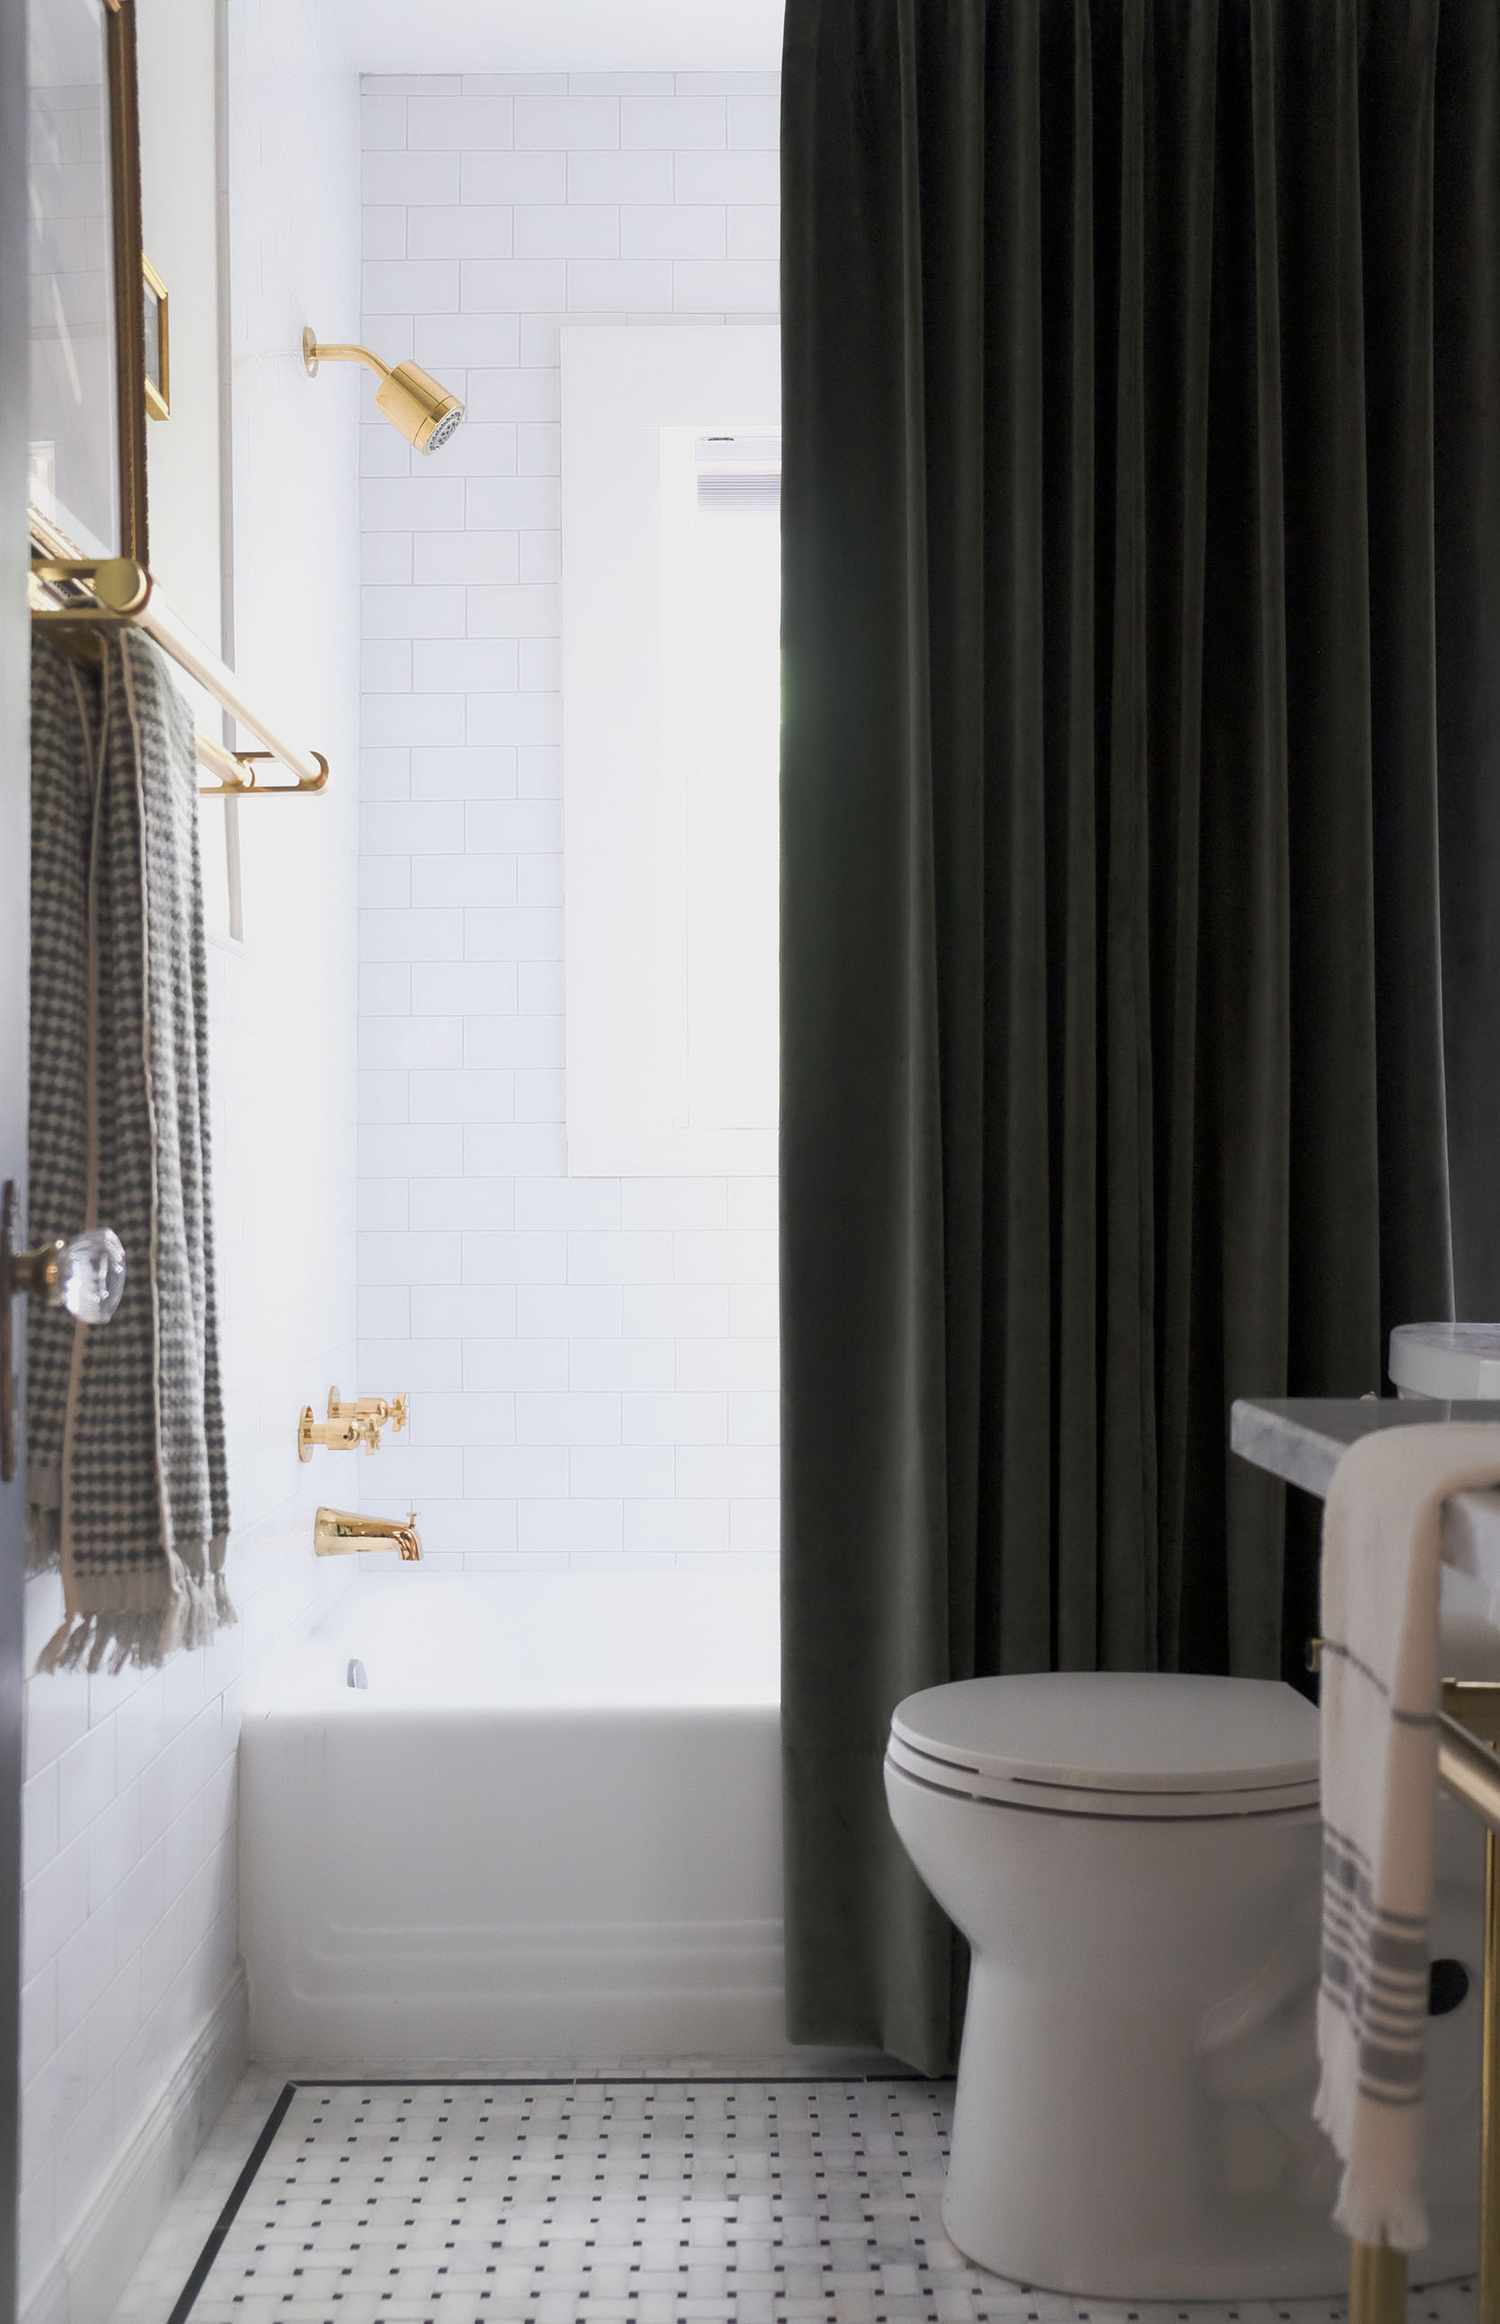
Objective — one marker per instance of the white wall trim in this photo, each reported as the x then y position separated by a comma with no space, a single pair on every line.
101,2253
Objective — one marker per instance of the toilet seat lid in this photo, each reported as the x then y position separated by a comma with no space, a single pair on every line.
1134,1731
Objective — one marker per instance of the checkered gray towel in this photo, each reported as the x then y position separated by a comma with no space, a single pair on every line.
1382,1552
125,1471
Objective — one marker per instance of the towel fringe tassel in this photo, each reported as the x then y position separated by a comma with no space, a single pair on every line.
1400,2221
123,1641
1373,2207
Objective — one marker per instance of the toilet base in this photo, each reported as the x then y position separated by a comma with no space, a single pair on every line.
1174,2205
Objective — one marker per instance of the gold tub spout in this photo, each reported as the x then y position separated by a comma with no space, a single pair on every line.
339,1532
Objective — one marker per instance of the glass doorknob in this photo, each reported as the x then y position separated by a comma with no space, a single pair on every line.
84,1274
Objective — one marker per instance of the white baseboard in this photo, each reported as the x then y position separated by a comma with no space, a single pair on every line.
98,2258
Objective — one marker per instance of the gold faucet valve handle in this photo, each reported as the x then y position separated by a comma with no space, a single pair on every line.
381,1411
340,1435
364,1415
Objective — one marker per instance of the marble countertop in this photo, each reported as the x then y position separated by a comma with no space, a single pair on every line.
1301,1438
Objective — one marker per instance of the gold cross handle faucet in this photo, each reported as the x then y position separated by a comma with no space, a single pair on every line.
385,1411
335,1435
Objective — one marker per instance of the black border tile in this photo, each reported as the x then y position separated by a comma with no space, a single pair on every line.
187,2298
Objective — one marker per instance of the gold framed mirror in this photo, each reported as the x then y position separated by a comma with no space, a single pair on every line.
87,399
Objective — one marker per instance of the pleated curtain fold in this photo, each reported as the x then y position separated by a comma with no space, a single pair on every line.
1141,839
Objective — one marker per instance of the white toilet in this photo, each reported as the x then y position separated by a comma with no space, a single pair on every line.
1135,1863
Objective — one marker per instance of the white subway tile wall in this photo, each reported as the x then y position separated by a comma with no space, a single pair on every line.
130,1910
130,1929
593,1363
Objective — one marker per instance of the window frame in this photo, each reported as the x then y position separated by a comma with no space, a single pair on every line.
624,851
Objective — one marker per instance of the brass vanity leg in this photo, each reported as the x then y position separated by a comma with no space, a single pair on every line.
1489,2092
1377,2284
1469,1737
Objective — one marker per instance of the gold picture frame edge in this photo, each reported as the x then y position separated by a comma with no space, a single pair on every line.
158,393
118,26
130,337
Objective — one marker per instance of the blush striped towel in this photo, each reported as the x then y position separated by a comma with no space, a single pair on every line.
125,1470
1382,1555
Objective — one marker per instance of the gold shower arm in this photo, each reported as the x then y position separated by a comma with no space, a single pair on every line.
316,351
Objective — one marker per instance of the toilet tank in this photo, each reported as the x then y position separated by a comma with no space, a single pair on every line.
1458,1363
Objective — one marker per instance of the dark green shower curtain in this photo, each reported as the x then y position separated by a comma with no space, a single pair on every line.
1141,837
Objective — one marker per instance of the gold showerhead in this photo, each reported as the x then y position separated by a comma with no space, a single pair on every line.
411,399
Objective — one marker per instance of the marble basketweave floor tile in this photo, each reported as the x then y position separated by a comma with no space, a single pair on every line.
638,2198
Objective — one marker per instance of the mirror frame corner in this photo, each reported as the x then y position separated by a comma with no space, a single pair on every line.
119,34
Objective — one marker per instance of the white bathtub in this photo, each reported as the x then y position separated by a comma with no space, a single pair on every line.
549,1828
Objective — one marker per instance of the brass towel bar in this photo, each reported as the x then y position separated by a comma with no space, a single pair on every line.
108,591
